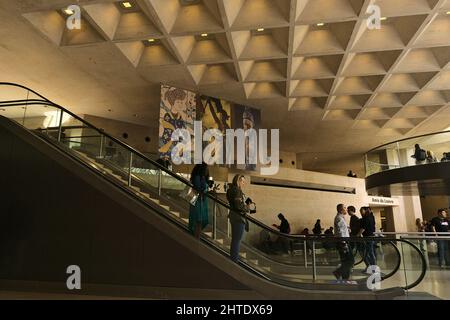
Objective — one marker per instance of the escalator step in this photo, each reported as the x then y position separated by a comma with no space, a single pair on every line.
209,234
185,220
136,188
177,214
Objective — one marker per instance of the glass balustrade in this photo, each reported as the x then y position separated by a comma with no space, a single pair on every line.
290,260
432,148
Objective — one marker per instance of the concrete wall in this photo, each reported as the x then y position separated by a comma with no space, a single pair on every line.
303,207
404,216
430,205
136,133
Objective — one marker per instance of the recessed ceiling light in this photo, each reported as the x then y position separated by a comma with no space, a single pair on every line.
151,40
260,30
204,34
383,18
69,12
448,12
320,24
127,4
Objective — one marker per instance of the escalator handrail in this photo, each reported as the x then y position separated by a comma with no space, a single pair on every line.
131,149
186,182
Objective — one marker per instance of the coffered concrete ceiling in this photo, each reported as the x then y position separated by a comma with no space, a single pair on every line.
313,67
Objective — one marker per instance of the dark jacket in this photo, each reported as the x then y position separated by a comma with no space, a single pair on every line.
355,224
238,211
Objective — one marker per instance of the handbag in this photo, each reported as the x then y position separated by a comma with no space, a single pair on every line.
190,195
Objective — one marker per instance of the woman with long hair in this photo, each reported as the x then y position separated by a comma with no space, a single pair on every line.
198,214
237,216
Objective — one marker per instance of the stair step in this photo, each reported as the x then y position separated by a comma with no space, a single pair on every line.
152,199
220,241
266,268
177,214
165,207
136,188
243,254
185,220
254,261
209,234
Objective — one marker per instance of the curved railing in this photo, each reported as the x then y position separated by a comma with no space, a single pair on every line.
402,153
291,260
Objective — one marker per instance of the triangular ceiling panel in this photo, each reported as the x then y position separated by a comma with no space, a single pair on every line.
50,23
436,34
157,55
326,39
135,25
263,46
209,50
391,8
132,50
267,70
307,103
86,35
311,88
197,18
329,10
348,102
420,60
358,85
428,98
256,14
400,83
106,16
371,63
268,90
218,74
378,113
317,67
339,115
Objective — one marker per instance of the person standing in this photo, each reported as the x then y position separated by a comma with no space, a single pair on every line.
441,224
345,254
237,216
284,227
367,230
198,214
317,230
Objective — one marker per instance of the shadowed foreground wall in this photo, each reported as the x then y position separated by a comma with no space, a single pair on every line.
51,217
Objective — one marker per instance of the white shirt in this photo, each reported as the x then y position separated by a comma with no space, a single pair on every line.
340,226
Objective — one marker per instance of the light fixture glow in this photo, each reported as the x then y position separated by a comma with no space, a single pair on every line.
204,34
448,12
320,24
69,12
151,40
126,4
383,18
260,30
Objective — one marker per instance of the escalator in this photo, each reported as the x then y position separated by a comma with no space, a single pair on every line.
302,271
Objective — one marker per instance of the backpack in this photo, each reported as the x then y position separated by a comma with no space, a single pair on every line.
422,155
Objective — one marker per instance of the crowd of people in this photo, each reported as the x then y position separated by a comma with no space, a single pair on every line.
346,245
427,156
